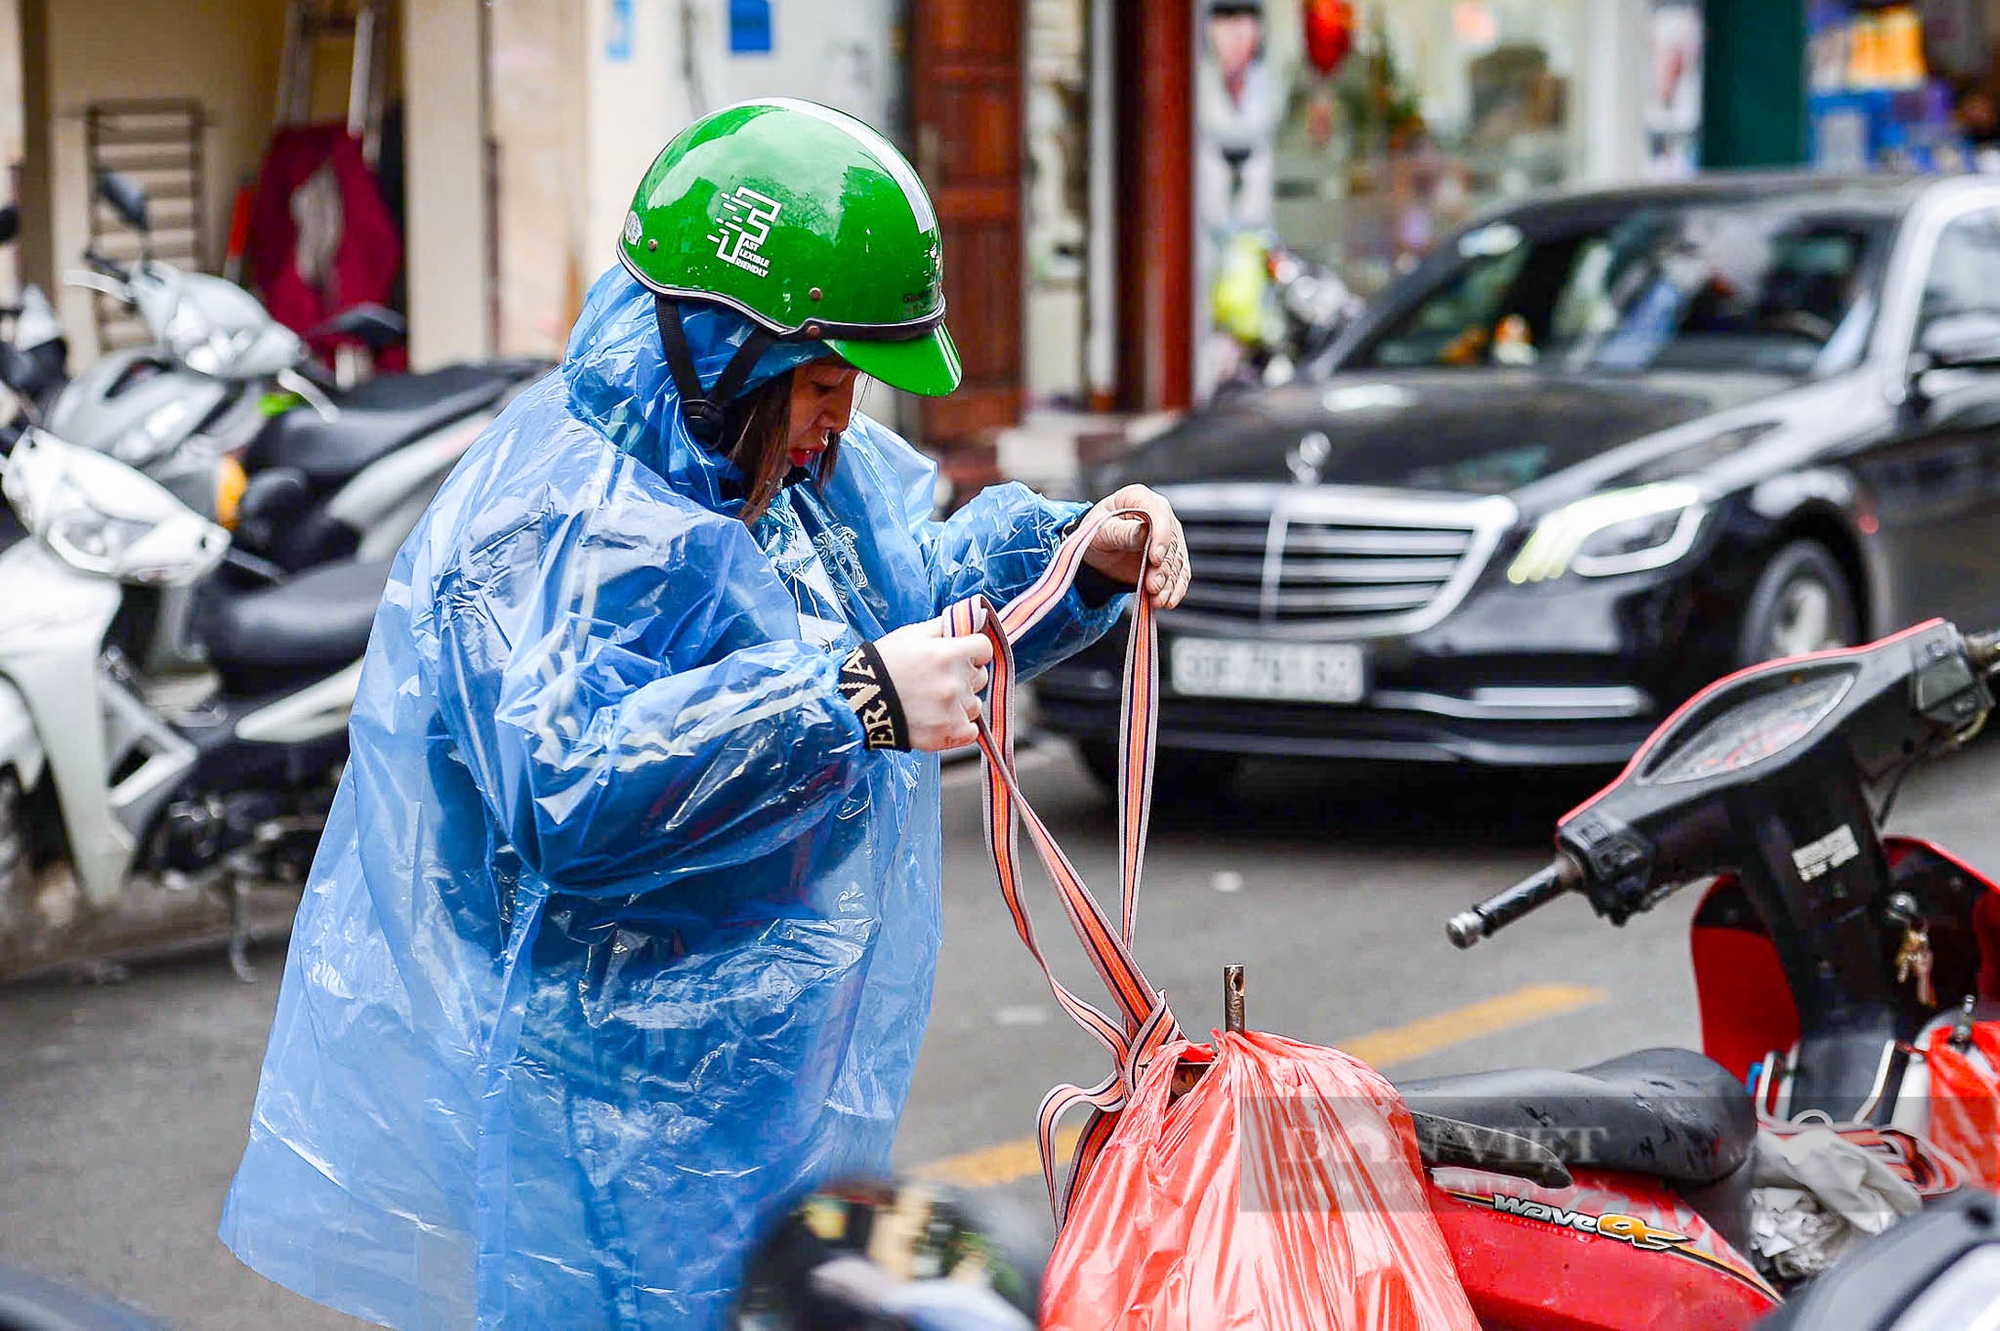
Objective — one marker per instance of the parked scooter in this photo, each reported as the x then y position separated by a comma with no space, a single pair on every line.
207,409
1827,959
143,805
34,353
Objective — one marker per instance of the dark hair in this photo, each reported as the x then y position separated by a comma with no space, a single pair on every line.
758,425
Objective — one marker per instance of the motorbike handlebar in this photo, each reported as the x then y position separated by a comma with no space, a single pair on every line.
1502,909
1564,874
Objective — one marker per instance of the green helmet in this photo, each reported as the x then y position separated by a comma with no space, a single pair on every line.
807,221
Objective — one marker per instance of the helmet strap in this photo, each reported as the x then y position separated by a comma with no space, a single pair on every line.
703,409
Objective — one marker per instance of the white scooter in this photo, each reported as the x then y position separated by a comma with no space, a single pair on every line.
347,474
144,805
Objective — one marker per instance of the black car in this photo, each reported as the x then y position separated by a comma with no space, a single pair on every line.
1598,450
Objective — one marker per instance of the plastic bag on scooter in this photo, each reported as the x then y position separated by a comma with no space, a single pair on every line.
1283,1191
1965,1101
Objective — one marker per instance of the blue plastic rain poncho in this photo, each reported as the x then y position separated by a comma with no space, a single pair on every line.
617,934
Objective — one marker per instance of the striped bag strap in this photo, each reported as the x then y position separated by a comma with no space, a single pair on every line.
1144,1022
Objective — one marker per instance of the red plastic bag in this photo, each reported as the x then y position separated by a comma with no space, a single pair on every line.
1282,1192
1965,1101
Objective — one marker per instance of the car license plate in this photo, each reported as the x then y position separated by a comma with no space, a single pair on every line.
1294,671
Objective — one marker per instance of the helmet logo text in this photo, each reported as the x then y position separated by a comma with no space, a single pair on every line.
745,226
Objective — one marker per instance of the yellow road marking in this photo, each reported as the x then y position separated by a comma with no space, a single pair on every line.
1427,1035
991,1166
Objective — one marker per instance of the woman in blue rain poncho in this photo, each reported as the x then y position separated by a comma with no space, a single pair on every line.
623,925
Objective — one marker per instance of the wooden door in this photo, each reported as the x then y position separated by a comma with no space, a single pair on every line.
965,103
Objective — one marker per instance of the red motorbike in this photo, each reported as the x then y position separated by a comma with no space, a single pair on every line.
1619,1196
1827,959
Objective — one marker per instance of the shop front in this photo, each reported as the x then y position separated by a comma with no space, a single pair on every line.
1354,135
1852,85
1898,86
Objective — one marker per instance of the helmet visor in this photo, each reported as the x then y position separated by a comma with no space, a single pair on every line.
926,365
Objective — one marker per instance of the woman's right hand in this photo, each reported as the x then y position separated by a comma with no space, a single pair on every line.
938,679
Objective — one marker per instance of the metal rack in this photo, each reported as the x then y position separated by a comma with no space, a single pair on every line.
158,143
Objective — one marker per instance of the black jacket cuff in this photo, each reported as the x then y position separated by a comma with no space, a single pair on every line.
866,687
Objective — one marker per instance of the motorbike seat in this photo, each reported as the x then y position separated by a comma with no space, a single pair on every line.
1671,1114
267,638
376,418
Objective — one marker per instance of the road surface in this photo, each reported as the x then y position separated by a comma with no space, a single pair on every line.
122,1107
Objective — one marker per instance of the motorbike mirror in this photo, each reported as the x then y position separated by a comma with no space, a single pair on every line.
374,326
1960,341
126,196
10,223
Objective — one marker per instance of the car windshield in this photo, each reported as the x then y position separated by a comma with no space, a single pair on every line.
1746,286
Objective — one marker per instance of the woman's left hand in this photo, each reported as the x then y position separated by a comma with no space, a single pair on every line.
1124,547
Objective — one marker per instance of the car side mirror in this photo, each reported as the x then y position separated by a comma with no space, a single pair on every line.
127,198
1960,342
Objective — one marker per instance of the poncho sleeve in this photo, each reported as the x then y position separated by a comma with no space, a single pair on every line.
997,544
623,709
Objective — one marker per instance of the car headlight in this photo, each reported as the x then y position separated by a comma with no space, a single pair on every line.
1619,531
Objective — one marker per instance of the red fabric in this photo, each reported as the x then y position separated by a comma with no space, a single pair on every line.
1282,1192
364,266
1965,1101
